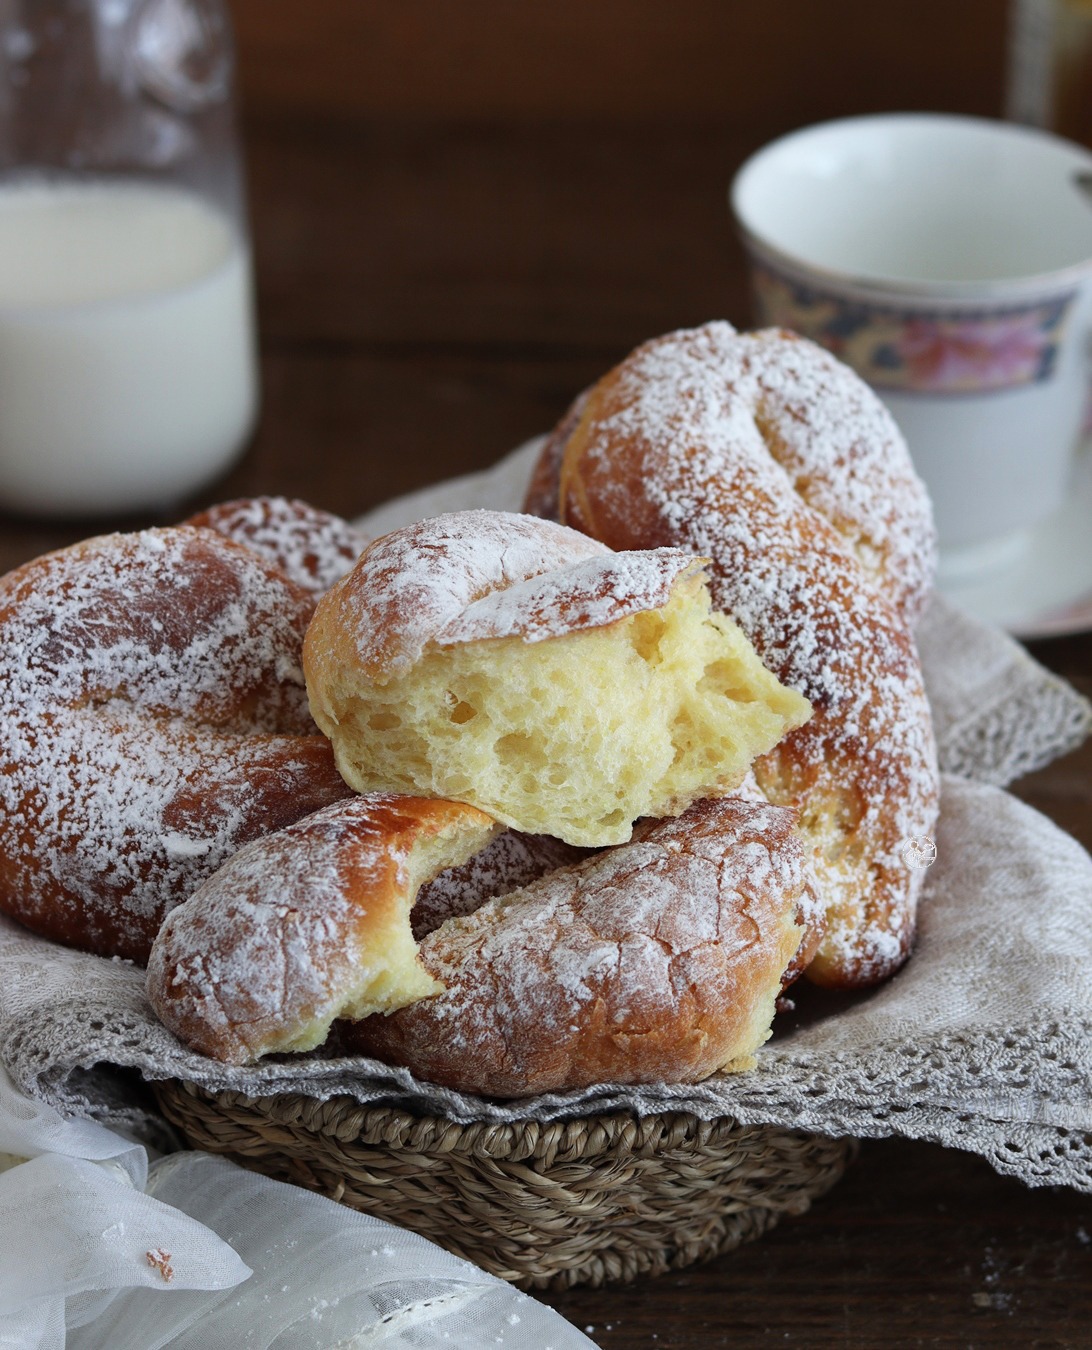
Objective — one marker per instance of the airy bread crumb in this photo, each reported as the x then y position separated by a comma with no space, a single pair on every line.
576,735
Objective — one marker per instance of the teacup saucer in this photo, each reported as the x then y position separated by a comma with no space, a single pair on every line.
1043,588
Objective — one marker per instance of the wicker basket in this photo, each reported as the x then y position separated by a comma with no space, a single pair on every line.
584,1201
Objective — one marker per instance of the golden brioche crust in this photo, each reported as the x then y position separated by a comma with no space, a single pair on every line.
306,925
656,961
758,451
474,576
837,445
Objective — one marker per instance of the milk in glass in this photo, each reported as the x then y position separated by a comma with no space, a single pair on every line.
127,363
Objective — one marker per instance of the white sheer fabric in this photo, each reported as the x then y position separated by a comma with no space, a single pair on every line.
78,1227
102,1253
325,1278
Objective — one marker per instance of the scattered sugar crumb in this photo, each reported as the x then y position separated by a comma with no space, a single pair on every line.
160,1260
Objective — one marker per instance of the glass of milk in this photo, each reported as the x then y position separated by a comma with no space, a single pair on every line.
128,372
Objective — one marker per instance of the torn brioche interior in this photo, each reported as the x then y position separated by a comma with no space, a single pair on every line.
575,734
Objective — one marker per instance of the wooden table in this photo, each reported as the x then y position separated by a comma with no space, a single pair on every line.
433,290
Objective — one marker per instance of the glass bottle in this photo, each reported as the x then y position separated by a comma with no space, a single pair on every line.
1050,67
128,374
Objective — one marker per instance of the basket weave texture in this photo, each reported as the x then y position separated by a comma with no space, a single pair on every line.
586,1201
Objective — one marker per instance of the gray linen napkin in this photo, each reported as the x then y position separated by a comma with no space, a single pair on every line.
983,1042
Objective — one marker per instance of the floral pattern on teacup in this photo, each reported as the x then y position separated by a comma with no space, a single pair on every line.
954,351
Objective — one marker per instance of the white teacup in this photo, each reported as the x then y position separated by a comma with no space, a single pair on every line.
948,260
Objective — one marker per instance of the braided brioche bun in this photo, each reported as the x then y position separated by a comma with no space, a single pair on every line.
519,666
822,433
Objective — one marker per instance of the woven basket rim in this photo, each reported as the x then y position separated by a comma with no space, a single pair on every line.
342,1118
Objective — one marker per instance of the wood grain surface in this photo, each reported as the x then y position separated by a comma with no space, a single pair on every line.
762,63
463,213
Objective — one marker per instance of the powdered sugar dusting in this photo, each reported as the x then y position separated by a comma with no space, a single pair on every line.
511,861
589,593
843,453
632,955
312,547
265,943
473,575
291,930
155,718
